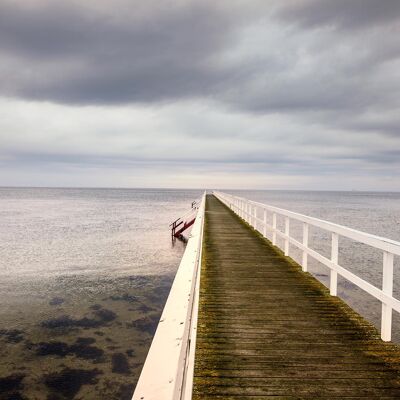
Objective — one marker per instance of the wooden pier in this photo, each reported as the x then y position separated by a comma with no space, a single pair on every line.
268,330
244,321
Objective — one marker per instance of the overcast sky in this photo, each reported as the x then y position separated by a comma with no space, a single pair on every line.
282,94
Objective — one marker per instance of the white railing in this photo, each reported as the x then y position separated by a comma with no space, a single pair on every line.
250,210
167,373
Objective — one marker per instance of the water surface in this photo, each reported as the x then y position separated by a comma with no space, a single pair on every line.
84,275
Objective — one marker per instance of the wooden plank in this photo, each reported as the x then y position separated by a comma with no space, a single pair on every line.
268,330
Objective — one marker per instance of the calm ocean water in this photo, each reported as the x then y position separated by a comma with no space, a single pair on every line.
111,232
84,274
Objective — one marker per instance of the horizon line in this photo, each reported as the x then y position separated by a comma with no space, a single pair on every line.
189,188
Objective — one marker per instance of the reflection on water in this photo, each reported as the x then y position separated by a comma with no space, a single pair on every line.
88,231
84,275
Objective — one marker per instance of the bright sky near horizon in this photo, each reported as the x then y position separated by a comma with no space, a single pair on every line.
263,94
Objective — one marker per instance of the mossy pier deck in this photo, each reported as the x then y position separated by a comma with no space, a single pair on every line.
243,320
266,329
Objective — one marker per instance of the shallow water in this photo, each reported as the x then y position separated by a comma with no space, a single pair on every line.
84,275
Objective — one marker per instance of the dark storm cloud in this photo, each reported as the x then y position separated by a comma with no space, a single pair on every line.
127,52
69,53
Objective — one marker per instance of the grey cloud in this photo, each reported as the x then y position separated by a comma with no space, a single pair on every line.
389,126
271,165
342,14
72,54
120,160
68,52
321,153
152,52
52,29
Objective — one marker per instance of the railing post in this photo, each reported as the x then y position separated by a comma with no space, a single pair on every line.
387,287
305,244
255,217
334,259
274,229
265,223
287,230
250,213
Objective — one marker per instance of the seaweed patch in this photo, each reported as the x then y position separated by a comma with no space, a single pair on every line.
130,352
120,364
11,383
159,296
56,301
85,340
69,381
146,324
81,348
145,309
103,317
12,335
125,391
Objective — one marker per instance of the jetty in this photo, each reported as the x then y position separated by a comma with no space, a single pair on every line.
243,320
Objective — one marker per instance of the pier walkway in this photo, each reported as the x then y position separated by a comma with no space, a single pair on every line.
243,320
266,329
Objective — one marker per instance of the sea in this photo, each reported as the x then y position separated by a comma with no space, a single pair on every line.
85,273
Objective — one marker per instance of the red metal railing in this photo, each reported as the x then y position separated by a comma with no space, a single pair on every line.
181,224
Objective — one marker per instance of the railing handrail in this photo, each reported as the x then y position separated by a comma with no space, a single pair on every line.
168,370
247,209
185,216
379,242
